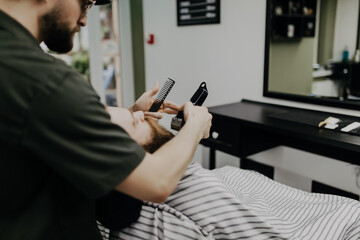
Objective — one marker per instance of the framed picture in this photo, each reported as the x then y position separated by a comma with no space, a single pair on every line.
193,12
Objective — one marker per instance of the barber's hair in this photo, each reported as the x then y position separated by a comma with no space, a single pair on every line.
160,136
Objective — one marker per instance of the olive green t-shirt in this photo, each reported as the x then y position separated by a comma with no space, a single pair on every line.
59,151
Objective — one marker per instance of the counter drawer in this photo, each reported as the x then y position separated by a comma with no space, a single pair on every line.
224,136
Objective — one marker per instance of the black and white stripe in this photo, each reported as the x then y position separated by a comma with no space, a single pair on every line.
231,203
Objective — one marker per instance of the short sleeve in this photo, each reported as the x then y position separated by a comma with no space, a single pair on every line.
70,131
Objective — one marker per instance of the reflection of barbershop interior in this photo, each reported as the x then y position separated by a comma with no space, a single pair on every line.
281,79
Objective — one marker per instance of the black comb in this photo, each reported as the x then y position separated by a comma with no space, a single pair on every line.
162,95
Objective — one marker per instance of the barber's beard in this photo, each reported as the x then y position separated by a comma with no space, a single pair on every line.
160,136
56,34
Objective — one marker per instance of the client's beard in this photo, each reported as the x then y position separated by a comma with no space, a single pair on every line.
160,136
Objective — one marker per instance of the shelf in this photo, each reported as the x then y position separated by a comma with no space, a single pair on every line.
292,19
293,16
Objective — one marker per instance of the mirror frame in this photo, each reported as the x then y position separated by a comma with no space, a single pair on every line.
295,97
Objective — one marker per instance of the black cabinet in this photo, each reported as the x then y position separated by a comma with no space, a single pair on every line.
292,19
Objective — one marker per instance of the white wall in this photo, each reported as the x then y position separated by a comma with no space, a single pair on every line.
229,56
224,55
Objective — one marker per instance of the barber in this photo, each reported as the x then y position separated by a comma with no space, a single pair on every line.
59,151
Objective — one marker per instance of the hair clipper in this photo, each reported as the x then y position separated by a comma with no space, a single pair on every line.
197,99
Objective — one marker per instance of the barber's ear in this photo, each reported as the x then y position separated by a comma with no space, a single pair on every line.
46,5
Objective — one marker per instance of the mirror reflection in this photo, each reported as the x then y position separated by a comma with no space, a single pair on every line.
313,49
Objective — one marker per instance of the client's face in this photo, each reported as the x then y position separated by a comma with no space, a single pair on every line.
134,124
145,131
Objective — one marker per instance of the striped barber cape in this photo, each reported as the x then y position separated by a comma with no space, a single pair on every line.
231,203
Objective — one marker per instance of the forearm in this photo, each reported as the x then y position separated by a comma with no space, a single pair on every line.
158,174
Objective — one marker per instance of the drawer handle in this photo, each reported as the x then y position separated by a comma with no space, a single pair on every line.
215,135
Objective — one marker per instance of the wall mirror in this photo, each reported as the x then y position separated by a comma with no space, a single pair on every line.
312,51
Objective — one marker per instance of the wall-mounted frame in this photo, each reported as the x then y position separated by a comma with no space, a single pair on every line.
193,12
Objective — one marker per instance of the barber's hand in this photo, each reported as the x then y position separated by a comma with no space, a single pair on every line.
198,117
146,100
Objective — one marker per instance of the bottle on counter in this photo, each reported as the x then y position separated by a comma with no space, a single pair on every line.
345,54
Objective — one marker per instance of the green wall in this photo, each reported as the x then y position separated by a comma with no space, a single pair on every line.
137,31
290,66
326,30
